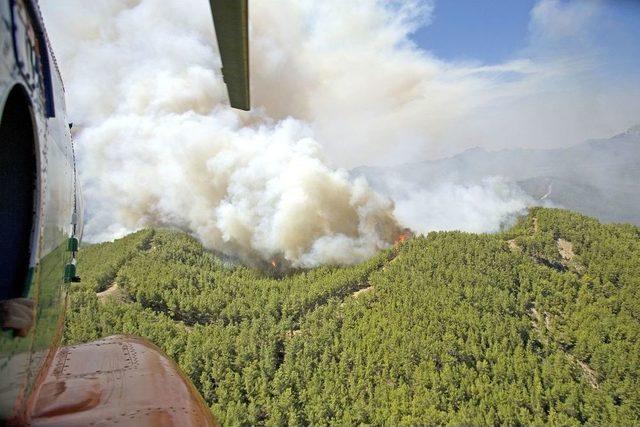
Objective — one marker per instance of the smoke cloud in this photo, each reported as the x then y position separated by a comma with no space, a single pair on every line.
335,84
158,145
486,206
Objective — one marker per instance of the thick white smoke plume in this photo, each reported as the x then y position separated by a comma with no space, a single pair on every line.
486,206
158,144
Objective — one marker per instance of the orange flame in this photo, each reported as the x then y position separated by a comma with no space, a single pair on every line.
403,237
273,263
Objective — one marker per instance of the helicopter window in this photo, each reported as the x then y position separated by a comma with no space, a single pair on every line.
17,185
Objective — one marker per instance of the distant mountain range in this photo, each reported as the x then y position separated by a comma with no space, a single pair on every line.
599,177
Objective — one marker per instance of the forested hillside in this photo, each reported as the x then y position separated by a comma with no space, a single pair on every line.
538,324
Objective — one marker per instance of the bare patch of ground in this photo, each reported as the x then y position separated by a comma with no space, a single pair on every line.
111,291
566,249
360,292
547,320
293,333
356,294
589,373
513,245
536,320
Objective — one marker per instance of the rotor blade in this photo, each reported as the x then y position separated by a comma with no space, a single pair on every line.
231,24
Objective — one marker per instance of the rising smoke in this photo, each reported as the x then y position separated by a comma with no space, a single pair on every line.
158,144
485,206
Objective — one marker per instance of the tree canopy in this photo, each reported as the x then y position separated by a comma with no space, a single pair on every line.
536,324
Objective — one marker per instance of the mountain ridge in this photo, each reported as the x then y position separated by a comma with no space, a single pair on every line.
604,173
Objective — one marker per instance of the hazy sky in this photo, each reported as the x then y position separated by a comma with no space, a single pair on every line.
561,70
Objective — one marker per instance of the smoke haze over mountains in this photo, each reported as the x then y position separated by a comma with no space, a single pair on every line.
335,85
477,190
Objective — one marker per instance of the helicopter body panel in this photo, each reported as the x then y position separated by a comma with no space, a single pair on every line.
118,378
121,380
38,198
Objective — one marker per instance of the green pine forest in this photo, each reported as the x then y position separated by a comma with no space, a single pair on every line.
536,324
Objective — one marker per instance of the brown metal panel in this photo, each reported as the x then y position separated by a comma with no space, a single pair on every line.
120,380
